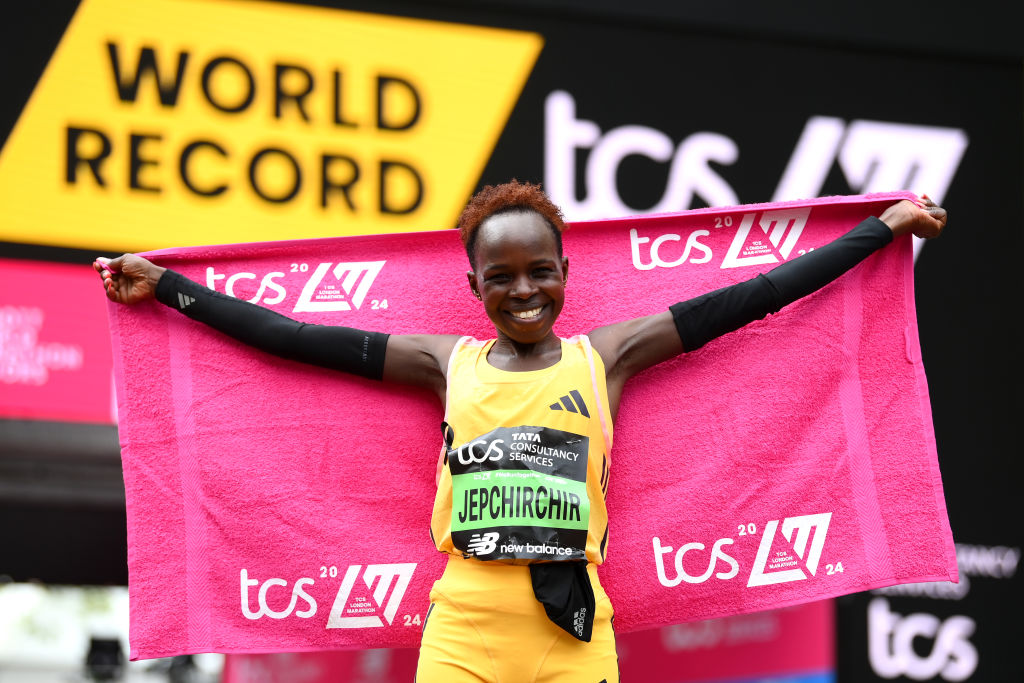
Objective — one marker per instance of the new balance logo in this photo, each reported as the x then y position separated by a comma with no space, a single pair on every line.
344,290
184,301
482,545
356,607
573,402
782,565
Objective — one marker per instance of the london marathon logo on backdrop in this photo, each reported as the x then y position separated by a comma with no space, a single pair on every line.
873,156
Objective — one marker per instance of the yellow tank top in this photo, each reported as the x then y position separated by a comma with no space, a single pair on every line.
524,469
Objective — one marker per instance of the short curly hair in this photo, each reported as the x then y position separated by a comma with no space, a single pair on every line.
509,197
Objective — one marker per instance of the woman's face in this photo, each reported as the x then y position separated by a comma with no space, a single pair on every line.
519,275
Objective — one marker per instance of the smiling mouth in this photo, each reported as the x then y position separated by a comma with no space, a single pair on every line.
527,315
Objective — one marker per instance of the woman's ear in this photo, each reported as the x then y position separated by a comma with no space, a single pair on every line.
471,276
565,269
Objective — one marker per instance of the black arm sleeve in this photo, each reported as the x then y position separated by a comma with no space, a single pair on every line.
340,348
711,315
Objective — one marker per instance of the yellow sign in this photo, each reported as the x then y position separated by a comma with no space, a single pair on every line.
168,122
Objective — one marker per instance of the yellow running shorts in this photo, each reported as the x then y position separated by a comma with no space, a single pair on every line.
485,624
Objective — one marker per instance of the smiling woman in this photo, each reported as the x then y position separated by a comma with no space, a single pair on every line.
520,276
528,422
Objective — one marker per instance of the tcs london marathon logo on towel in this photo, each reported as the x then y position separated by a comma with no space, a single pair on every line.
366,597
761,238
786,552
182,122
327,287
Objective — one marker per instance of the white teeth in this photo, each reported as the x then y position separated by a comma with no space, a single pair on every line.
532,313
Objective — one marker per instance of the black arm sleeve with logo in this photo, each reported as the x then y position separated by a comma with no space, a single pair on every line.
339,348
701,319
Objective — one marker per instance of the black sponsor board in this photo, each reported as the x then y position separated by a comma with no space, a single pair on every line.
540,449
968,631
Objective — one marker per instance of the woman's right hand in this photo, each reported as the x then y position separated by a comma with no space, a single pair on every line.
128,279
924,219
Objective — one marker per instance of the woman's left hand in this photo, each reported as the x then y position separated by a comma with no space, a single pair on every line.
925,219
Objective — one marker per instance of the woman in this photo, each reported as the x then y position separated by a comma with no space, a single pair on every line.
521,480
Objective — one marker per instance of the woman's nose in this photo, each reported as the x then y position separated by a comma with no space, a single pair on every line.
522,287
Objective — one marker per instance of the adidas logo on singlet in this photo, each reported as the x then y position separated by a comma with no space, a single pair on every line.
572,402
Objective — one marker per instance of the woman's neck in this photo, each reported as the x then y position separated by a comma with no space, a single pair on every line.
508,354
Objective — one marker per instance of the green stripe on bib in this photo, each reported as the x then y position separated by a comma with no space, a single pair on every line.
482,500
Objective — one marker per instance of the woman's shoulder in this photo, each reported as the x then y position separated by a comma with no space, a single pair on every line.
582,349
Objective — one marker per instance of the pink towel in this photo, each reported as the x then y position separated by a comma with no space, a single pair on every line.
278,507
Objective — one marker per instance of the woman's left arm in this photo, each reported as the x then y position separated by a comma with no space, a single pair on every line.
634,345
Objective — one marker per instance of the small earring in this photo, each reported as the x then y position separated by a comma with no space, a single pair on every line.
480,298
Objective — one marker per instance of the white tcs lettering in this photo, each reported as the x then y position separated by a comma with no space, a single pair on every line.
690,174
267,282
891,644
467,456
716,554
692,242
261,598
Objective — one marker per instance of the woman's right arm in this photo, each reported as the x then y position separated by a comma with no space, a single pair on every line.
409,359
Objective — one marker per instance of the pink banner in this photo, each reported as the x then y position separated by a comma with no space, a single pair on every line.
54,352
274,506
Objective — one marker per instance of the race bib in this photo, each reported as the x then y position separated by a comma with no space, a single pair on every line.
521,493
